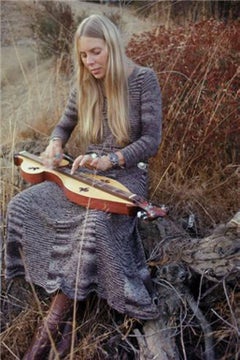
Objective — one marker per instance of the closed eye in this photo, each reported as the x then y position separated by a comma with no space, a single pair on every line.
92,51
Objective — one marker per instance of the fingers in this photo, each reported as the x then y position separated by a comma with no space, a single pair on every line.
81,160
75,165
51,162
52,156
90,161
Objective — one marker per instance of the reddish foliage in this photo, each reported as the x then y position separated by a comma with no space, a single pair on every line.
199,73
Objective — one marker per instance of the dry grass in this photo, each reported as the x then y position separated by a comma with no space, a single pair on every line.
99,332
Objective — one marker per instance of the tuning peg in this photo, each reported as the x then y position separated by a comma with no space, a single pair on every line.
142,215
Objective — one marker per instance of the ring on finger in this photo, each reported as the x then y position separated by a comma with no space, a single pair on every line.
94,156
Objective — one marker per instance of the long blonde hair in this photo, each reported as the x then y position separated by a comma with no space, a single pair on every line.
90,92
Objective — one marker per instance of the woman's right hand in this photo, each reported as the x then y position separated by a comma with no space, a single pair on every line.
53,154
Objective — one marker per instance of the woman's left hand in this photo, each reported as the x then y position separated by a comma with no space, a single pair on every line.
99,163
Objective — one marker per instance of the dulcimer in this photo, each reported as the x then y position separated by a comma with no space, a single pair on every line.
87,189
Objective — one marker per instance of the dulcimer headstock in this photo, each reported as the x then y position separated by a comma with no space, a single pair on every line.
150,211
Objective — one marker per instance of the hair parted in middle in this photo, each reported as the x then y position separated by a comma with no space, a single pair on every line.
115,83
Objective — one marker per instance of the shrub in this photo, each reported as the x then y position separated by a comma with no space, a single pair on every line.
198,69
53,26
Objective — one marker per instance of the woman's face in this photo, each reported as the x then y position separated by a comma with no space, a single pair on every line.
94,55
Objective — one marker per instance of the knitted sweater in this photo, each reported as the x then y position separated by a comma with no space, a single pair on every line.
57,244
145,119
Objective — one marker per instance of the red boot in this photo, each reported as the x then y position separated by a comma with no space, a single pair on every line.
48,330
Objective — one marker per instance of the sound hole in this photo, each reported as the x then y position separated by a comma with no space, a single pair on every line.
33,168
83,189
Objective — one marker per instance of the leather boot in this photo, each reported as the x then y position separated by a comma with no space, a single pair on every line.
63,347
41,343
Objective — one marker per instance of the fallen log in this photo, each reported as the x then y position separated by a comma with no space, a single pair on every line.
178,259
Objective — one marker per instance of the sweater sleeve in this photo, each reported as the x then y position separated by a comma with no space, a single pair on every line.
151,123
69,119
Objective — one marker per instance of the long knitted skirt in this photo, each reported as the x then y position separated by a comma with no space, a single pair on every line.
59,245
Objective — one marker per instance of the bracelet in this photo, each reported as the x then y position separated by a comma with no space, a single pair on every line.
114,159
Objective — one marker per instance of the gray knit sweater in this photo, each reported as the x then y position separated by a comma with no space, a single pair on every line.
57,244
145,119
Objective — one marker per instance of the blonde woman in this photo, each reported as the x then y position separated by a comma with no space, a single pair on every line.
67,250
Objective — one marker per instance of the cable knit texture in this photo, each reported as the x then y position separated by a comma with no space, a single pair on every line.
57,244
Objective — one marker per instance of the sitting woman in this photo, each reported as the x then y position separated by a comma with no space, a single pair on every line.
69,250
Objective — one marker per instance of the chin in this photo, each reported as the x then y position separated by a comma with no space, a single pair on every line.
99,76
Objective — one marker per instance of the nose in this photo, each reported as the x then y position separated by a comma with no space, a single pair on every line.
89,60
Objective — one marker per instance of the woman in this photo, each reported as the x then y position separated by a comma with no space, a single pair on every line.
66,249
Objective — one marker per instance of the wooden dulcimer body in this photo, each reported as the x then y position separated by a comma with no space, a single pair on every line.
86,189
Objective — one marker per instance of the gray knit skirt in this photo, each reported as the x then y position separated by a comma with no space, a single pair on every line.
59,245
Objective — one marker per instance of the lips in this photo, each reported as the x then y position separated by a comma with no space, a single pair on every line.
93,71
